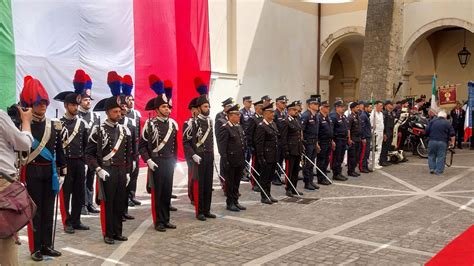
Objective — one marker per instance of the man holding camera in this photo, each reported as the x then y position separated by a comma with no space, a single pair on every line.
12,140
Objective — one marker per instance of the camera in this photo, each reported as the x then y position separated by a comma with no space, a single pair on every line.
15,115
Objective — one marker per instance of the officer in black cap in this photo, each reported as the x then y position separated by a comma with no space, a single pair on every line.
310,125
266,145
231,145
325,142
221,119
280,116
246,114
129,123
353,154
266,100
187,127
299,109
365,109
92,119
159,149
389,117
199,144
256,118
132,117
341,131
74,141
109,152
292,147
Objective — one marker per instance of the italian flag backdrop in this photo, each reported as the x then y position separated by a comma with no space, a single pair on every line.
50,39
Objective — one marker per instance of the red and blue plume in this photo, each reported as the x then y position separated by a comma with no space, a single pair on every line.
127,85
168,89
33,92
79,81
114,82
88,85
201,87
156,84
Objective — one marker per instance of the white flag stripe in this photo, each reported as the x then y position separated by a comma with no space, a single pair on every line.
54,38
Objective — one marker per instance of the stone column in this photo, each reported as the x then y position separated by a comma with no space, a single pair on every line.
405,89
324,87
382,55
349,88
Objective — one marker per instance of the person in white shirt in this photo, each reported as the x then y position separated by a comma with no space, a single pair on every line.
376,120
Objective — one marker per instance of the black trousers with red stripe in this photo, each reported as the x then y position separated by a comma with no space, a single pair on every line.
292,169
233,176
163,186
257,173
353,156
222,176
203,184
73,191
113,207
190,179
39,186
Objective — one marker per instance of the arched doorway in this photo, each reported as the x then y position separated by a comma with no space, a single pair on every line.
433,49
341,63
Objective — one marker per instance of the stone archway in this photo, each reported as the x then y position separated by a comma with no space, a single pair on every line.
433,48
341,59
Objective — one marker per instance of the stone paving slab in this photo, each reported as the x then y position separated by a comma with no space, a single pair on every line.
412,226
332,251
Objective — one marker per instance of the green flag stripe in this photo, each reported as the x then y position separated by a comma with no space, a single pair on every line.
7,56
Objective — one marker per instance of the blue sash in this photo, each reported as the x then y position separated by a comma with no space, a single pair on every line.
45,153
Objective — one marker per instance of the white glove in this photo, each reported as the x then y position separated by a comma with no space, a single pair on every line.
61,182
197,159
103,174
128,180
151,164
86,168
134,165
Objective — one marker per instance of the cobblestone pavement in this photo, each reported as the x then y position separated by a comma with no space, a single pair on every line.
399,215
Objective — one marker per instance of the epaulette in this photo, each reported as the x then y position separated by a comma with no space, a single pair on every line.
138,113
174,123
57,125
127,130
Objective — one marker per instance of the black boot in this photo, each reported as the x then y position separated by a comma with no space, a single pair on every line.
92,209
109,240
128,216
266,201
37,256
314,185
48,251
81,226
232,208
170,225
242,208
